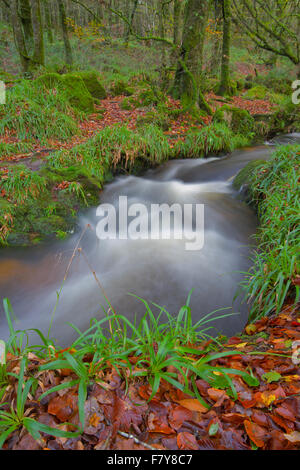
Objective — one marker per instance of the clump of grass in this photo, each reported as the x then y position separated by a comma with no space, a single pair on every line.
274,189
22,183
159,342
213,139
114,147
14,148
34,113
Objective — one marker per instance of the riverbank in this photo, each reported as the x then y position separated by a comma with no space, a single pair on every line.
165,383
54,164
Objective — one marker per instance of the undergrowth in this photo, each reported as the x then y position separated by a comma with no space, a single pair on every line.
157,348
274,190
213,139
32,113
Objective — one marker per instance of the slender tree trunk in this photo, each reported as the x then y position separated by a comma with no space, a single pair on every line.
216,49
62,16
134,8
163,55
225,88
187,83
19,36
48,21
38,34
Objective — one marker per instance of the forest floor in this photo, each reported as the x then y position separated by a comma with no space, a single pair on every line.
114,114
119,415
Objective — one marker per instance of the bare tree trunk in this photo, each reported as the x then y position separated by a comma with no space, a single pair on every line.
38,34
127,36
225,88
48,21
19,37
68,49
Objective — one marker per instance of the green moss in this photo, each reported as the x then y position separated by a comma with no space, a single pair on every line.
77,93
120,88
244,176
92,83
259,92
238,120
49,80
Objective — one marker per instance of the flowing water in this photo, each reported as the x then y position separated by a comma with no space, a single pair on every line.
161,271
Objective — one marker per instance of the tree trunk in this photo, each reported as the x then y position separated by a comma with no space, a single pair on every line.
25,14
134,8
38,34
187,83
48,21
216,49
19,36
62,16
177,30
225,88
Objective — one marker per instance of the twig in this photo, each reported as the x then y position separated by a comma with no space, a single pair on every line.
136,440
66,275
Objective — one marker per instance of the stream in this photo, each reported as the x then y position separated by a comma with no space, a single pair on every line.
159,271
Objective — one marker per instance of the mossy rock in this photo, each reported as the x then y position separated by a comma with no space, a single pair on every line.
91,81
244,176
258,92
73,86
77,93
49,80
120,88
238,120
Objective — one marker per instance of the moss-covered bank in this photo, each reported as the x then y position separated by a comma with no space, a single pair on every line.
38,205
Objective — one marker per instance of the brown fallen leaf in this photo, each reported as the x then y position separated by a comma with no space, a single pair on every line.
256,433
187,441
193,405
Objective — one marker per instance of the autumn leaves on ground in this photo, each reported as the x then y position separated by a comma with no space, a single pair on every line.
259,411
101,97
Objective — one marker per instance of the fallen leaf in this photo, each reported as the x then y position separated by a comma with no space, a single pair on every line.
193,405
